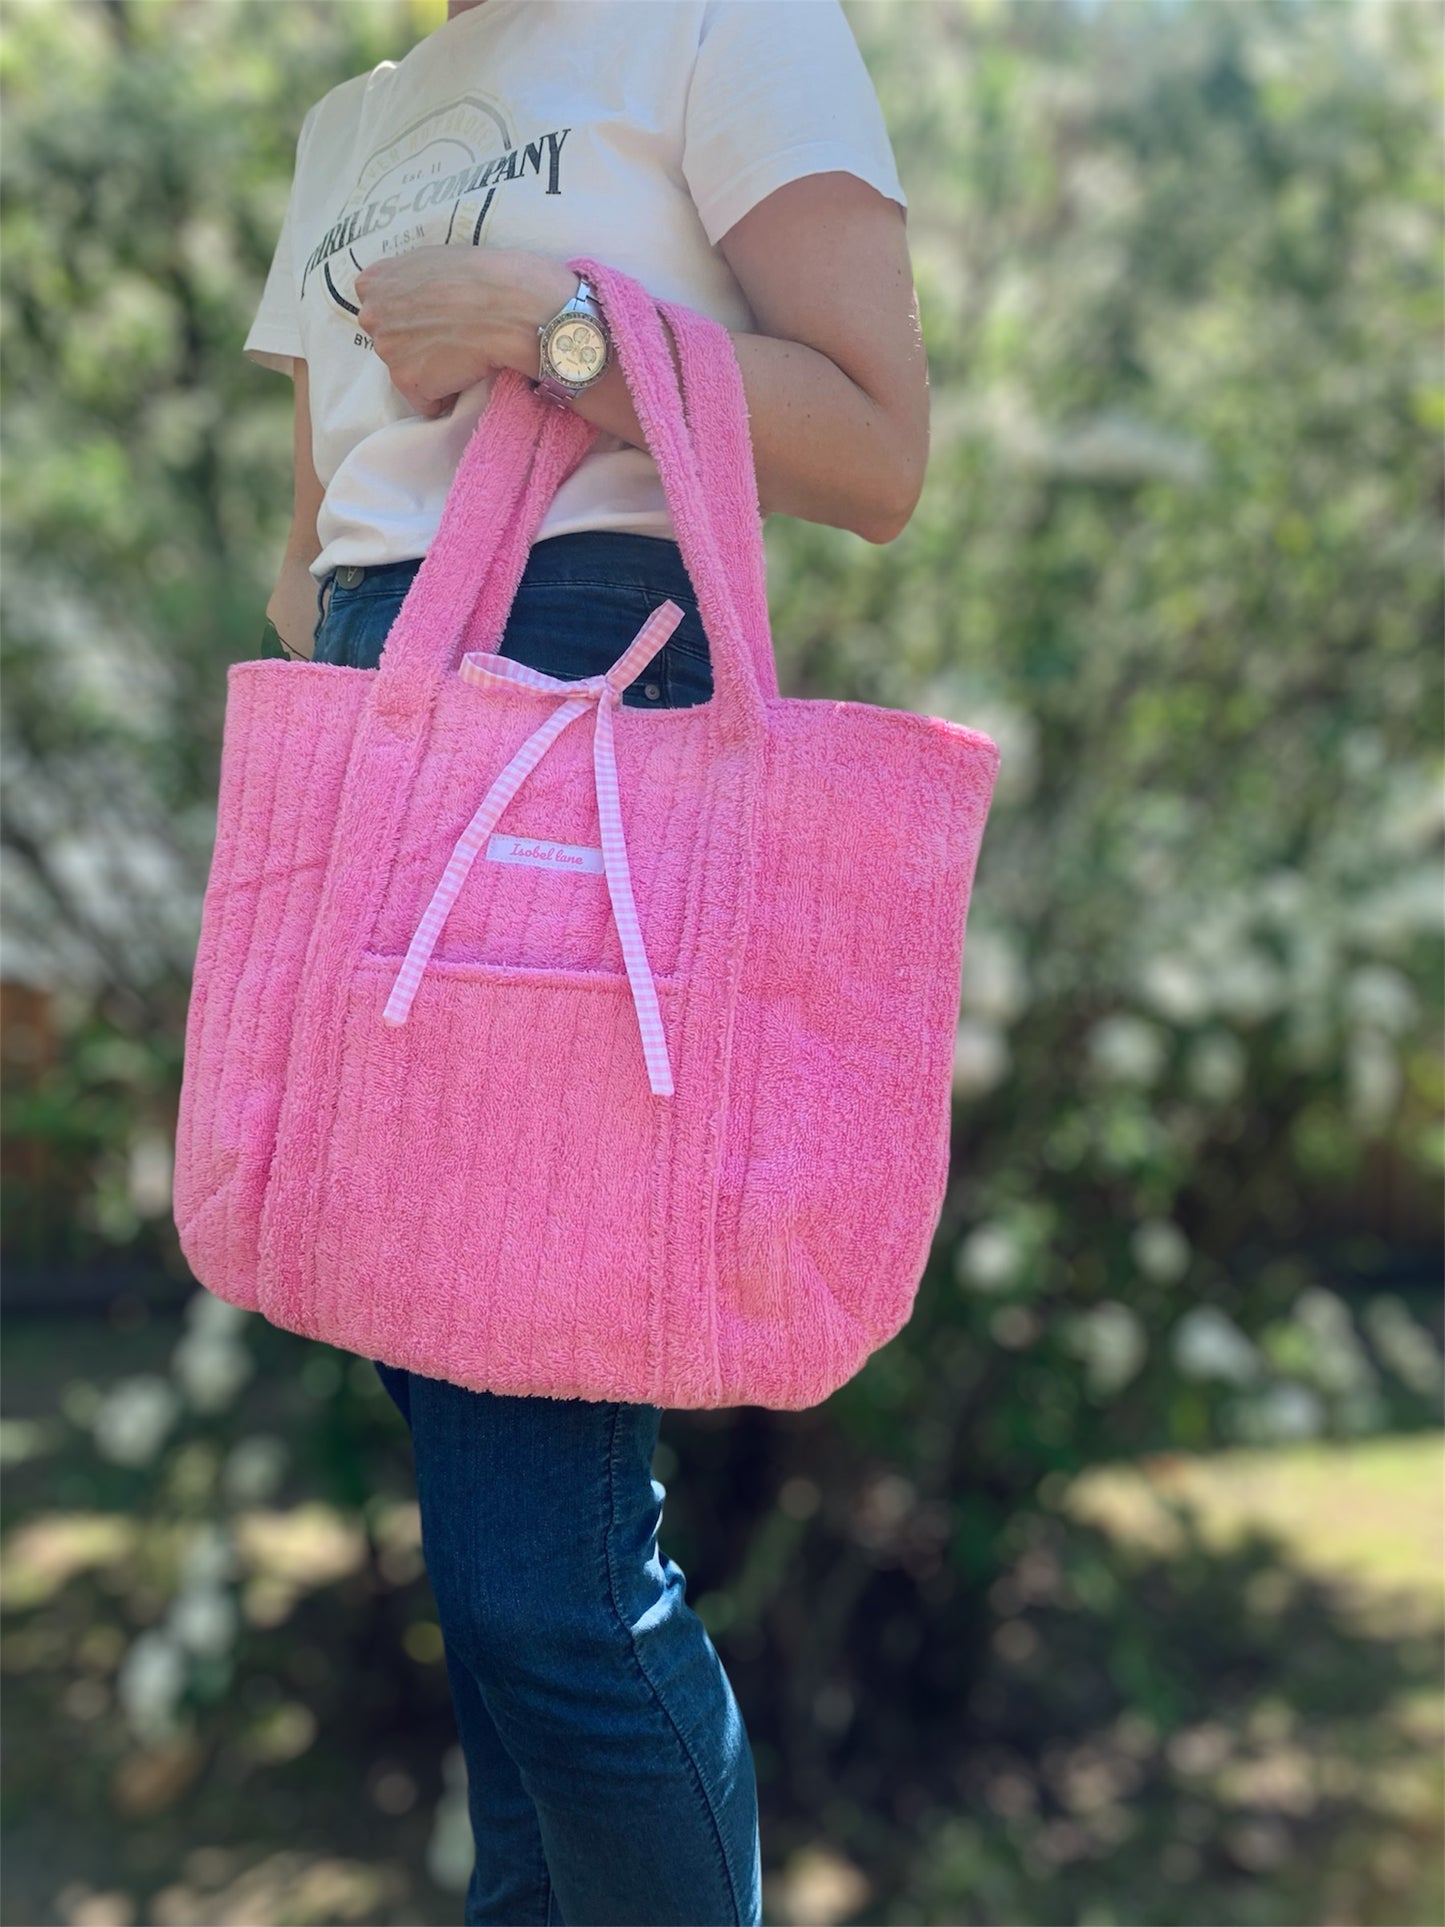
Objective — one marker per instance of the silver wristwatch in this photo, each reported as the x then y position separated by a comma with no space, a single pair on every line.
575,348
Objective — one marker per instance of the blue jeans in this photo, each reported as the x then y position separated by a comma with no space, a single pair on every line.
581,600
609,1775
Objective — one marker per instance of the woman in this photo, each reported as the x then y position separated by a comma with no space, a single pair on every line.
730,155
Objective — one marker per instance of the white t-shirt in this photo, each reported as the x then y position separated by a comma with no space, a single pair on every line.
634,131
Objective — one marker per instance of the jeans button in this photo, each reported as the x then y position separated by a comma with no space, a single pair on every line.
349,574
651,689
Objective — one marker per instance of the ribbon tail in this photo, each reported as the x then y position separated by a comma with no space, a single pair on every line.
624,908
408,977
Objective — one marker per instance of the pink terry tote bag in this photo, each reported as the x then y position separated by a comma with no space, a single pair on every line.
559,1048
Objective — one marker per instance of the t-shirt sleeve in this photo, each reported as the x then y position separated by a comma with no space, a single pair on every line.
274,339
779,90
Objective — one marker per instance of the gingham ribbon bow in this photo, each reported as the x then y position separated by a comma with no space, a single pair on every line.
604,693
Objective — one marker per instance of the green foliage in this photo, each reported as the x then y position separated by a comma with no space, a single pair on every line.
148,151
1179,553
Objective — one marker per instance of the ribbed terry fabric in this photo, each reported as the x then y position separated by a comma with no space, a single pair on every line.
493,1192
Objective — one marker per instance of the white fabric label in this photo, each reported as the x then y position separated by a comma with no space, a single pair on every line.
552,856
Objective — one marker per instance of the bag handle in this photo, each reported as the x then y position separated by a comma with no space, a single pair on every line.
702,400
724,456
513,464
520,452
707,363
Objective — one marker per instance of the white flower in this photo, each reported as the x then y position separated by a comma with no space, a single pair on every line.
1127,1049
1017,736
1117,446
980,1058
451,1849
1161,1250
1399,909
209,1557
150,1172
1207,1344
132,1420
1314,960
1379,994
204,1619
989,1258
1111,1341
1215,1067
1338,1362
1362,751
1404,1345
254,1468
1176,988
151,1679
215,1317
1286,1411
994,984
211,1369
1249,986
1373,1080
1414,814
1310,1033
1281,896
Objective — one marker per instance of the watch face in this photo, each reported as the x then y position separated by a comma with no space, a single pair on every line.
577,350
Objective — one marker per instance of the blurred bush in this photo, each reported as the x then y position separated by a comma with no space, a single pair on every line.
1179,552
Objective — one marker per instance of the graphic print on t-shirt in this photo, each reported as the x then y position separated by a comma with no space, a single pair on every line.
433,182
644,147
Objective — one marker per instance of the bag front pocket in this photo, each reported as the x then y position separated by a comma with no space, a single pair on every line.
536,894
483,1204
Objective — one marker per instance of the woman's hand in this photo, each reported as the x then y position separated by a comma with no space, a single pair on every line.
291,609
445,316
834,374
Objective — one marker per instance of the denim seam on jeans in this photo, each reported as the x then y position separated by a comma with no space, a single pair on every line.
687,1753
636,585
653,593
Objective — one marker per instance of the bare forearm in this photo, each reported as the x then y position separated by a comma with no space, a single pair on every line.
823,448
292,603
833,371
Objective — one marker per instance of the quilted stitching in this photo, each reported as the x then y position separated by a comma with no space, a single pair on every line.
490,1193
